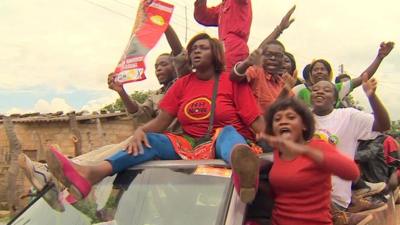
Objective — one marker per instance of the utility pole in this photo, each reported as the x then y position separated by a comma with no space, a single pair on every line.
186,24
341,69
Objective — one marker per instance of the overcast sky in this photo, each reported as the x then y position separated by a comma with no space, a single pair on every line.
56,54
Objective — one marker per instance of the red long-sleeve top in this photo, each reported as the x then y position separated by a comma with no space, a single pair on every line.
233,18
302,187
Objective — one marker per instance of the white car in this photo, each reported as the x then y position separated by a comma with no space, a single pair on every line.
177,192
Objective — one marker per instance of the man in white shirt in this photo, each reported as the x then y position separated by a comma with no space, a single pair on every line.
344,127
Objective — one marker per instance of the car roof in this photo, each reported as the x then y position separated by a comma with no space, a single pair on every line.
191,163
180,164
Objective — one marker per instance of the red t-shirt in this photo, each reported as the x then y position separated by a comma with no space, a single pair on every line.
302,188
389,145
189,99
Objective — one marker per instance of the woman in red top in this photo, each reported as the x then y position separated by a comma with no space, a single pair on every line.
188,100
301,174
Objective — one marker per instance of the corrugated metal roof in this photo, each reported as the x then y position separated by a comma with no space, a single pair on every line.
49,118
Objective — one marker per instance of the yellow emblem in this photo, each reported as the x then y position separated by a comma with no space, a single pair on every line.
158,20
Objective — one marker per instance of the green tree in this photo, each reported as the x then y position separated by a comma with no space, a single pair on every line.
138,96
354,103
395,129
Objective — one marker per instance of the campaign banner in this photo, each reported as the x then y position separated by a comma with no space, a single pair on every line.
151,22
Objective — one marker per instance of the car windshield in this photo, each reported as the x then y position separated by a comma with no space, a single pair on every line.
154,196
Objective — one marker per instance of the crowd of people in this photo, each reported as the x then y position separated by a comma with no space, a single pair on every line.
324,169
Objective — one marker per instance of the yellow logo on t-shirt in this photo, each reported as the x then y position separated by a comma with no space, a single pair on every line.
198,108
325,135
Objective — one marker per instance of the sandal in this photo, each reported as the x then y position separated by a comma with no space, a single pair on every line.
61,167
245,165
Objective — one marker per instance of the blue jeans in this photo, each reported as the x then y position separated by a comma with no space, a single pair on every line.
162,148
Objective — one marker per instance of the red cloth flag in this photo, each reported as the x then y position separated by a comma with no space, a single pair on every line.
151,22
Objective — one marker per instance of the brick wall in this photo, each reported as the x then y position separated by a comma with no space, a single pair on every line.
34,136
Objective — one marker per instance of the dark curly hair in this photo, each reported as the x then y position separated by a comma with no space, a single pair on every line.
276,42
299,107
306,72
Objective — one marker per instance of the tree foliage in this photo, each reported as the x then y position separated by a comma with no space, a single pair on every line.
354,103
395,129
118,105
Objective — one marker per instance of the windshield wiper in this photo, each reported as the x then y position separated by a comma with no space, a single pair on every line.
39,195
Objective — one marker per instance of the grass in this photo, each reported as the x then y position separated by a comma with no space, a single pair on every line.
4,219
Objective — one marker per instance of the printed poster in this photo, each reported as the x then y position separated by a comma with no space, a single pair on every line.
151,22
